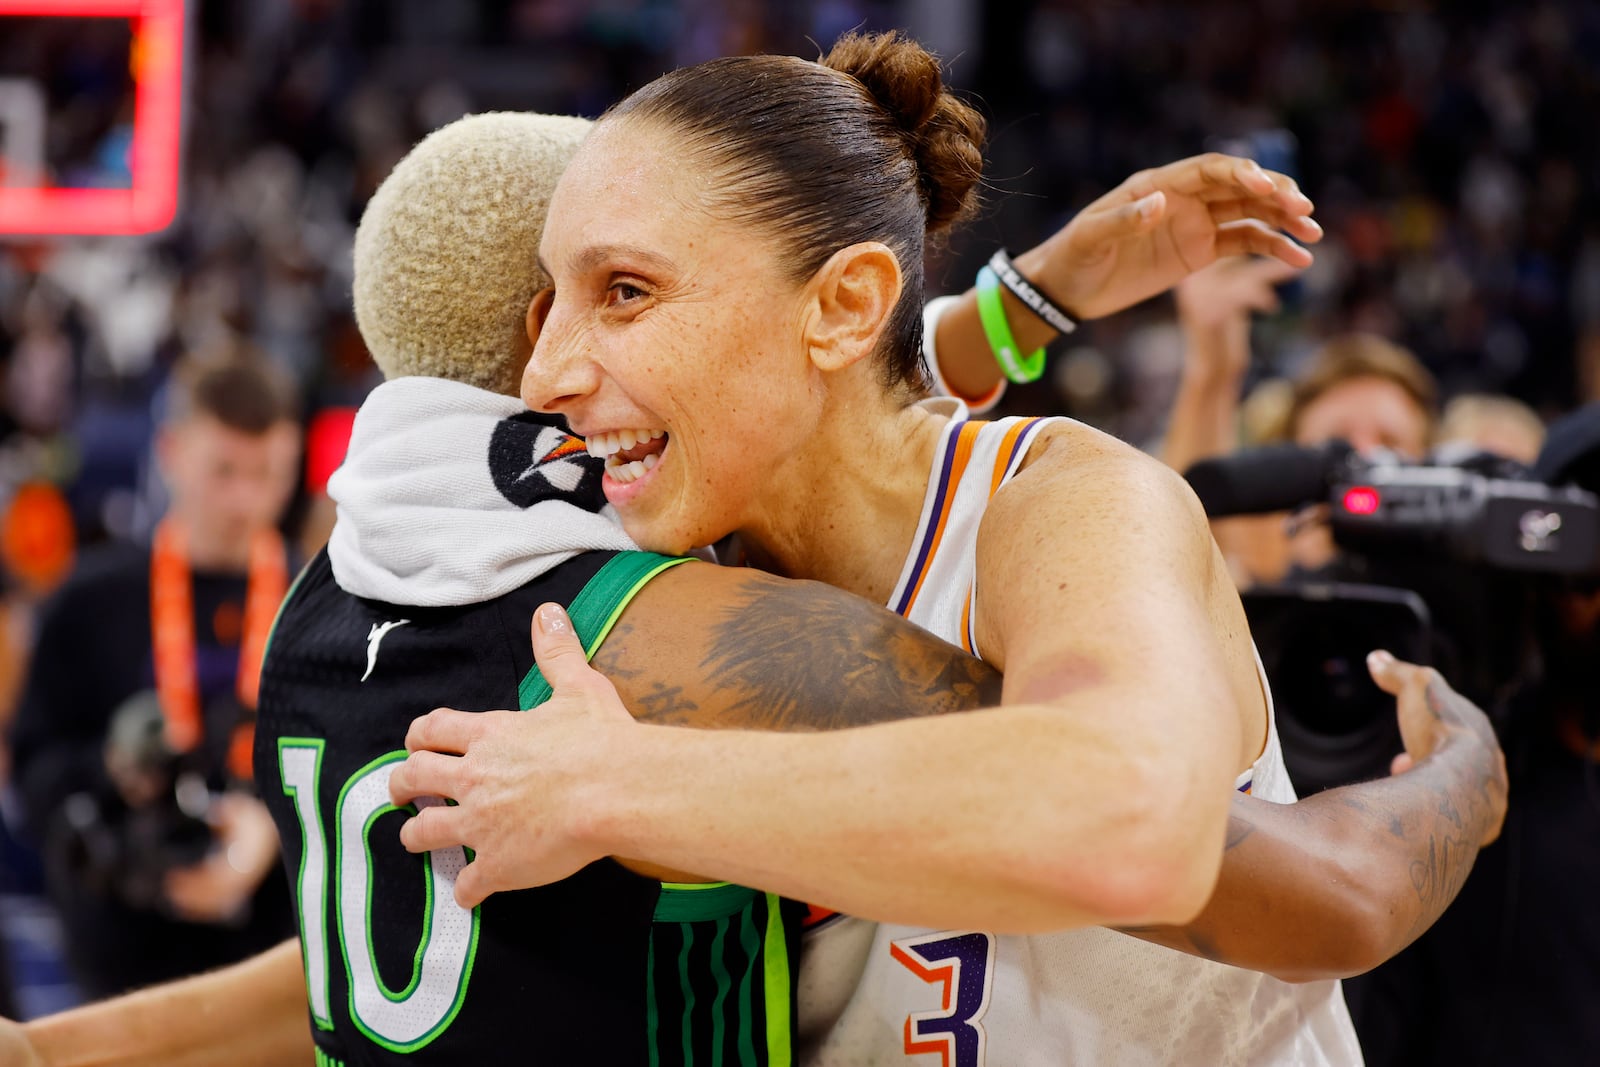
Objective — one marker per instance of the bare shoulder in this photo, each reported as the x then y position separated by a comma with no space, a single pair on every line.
712,646
1078,485
1095,545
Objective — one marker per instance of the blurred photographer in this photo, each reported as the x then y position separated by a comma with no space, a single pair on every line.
1357,388
132,743
1511,972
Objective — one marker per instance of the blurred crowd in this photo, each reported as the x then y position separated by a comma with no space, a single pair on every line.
1448,148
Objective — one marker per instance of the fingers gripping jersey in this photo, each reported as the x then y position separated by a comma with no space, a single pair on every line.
971,998
604,967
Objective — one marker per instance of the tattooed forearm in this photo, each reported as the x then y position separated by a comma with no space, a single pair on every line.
800,656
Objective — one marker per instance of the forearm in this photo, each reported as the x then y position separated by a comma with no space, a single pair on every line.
1339,882
1020,818
252,1014
1207,401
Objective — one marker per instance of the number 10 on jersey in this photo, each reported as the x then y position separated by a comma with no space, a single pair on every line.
401,1020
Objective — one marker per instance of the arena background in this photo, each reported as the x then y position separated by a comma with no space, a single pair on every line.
1451,149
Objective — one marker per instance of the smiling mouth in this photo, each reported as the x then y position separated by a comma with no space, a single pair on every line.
629,454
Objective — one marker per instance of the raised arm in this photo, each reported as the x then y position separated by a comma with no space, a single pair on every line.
1214,307
251,1014
1140,239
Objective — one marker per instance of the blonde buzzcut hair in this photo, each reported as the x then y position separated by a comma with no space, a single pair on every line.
446,253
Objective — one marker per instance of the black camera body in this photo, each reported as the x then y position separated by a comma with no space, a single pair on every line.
109,849
1441,562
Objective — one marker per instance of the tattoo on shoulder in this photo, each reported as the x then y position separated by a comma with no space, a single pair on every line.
667,704
799,658
613,669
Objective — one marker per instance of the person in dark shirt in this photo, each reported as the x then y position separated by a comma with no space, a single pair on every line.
132,741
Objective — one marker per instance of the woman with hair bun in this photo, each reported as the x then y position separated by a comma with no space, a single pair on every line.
735,325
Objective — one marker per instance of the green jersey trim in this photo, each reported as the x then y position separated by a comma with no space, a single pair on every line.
596,608
736,935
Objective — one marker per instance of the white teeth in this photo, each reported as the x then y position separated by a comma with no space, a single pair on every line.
605,445
650,461
631,472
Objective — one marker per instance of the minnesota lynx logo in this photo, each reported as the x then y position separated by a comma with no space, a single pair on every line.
532,460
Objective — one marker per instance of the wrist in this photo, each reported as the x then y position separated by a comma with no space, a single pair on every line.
613,801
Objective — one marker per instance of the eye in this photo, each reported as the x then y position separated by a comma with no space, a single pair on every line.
623,292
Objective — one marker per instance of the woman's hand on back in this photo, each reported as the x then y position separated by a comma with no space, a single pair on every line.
518,780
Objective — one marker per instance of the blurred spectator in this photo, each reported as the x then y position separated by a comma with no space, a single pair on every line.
1365,391
1357,388
1496,424
132,744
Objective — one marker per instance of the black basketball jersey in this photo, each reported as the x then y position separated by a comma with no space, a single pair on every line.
605,967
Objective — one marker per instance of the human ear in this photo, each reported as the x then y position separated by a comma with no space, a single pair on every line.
538,308
853,295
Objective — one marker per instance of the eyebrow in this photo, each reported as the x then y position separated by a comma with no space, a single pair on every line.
594,255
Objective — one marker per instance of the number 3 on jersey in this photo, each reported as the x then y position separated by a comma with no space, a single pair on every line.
406,1020
963,964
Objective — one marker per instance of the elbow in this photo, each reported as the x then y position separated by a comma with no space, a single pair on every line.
1161,863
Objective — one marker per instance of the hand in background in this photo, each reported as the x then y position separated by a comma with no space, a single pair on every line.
1214,307
218,888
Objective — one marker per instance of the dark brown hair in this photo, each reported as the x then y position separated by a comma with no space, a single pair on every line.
243,392
864,145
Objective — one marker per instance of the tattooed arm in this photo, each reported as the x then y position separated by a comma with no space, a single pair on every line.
1350,876
765,653
1337,883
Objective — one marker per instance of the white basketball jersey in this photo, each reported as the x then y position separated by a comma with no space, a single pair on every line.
970,998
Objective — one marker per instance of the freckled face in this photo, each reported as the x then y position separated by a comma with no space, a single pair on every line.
676,330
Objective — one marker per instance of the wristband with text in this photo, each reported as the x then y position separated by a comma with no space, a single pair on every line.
1059,318
997,329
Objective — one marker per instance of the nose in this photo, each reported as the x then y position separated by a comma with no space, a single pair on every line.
560,372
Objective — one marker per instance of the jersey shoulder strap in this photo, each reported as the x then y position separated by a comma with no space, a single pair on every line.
596,608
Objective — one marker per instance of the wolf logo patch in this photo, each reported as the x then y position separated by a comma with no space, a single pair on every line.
531,460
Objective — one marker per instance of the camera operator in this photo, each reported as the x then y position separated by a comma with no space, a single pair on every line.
1357,388
1511,972
132,743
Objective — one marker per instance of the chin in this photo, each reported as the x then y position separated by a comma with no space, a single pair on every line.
658,536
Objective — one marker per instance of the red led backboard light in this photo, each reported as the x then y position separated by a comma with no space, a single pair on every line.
152,201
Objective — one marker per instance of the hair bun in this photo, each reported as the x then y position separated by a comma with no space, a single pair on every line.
943,134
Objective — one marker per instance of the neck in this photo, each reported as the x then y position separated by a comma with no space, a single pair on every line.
845,510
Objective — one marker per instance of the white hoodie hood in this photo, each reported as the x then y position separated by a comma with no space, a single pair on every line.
453,495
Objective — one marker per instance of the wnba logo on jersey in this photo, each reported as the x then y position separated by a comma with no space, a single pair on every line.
963,965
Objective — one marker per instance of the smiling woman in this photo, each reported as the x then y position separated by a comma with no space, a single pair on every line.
736,251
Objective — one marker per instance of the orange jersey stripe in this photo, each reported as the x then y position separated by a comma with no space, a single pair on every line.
965,438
